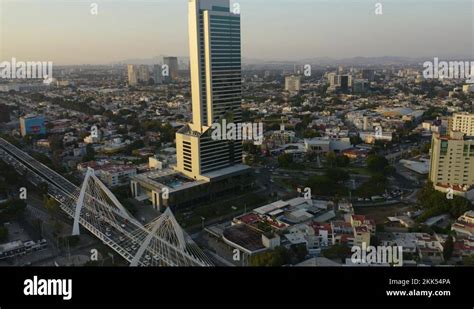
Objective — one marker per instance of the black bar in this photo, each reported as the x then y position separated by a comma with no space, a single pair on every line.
286,285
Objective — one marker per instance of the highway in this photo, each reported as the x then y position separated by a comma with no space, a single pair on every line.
121,232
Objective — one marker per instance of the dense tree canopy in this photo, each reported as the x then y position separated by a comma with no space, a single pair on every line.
436,203
376,163
280,256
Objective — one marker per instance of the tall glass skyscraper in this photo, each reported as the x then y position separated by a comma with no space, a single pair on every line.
216,83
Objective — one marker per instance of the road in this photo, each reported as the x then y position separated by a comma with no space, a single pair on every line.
124,234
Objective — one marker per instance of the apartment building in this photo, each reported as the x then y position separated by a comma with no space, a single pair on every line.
452,162
462,122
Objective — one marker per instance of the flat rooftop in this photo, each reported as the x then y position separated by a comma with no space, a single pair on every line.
226,172
167,178
245,237
11,246
174,181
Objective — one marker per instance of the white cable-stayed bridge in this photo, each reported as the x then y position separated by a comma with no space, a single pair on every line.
161,242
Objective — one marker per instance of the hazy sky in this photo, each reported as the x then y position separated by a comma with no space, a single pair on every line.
65,31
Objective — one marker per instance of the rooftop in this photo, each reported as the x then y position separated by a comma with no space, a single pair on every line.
11,246
245,237
168,178
226,172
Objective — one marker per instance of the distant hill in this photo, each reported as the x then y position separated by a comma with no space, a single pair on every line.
151,61
320,61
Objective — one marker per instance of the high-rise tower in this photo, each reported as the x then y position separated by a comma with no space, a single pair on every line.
132,75
172,63
216,83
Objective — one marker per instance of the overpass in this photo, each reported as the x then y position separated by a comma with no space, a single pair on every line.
161,242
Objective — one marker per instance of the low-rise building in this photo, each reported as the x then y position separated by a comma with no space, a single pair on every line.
17,248
464,225
112,174
422,246
171,188
32,125
463,247
359,220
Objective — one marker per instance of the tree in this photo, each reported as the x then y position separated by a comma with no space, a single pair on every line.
271,258
250,148
167,133
321,185
27,139
90,153
337,175
435,203
4,113
331,183
356,140
376,163
41,157
3,234
83,135
55,143
285,160
342,161
280,256
376,185
13,209
56,160
138,144
51,205
331,159
10,175
300,251
468,260
3,187
426,148
151,125
337,251
308,133
389,170
448,248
